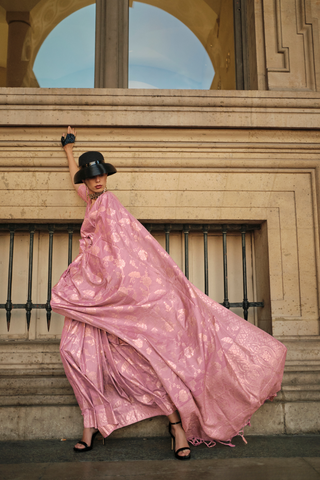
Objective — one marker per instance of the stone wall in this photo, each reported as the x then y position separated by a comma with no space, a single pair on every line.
200,156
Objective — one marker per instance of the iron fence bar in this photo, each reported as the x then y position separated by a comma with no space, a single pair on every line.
206,267
70,232
48,306
186,229
244,272
198,227
16,306
28,305
61,227
43,305
240,304
167,230
8,305
225,267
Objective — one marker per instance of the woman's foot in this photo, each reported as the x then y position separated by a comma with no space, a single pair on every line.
87,438
181,441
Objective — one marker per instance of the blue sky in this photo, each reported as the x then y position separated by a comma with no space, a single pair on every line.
163,52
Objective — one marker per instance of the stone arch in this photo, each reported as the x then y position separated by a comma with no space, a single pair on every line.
45,16
211,21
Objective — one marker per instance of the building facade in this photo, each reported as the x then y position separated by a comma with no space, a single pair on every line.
204,169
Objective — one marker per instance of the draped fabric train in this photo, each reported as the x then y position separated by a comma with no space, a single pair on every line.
140,340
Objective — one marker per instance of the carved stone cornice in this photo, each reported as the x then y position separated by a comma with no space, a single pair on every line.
149,108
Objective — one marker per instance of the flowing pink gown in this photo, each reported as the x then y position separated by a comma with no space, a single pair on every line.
140,340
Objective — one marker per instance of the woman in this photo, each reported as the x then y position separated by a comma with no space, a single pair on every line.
140,340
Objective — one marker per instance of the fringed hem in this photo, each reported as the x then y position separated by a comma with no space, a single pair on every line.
195,441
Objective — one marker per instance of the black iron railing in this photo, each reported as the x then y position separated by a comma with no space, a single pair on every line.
29,305
222,229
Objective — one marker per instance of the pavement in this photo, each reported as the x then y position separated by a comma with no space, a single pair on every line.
282,457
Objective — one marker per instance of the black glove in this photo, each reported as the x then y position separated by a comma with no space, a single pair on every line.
70,138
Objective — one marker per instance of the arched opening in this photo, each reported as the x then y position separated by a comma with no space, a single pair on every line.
24,26
192,45
73,66
164,52
211,21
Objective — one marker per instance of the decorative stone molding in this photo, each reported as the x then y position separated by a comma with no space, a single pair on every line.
147,108
292,44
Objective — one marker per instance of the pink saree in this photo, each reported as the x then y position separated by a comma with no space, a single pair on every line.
140,340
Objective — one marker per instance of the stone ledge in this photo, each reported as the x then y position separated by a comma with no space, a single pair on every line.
145,108
136,97
49,390
65,421
50,371
37,401
35,385
33,399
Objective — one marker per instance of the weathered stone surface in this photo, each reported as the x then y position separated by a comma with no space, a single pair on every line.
28,422
268,420
265,172
302,417
38,395
175,109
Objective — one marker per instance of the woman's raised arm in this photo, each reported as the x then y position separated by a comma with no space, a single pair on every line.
73,167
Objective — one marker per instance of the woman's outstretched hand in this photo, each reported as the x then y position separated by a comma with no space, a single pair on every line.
69,146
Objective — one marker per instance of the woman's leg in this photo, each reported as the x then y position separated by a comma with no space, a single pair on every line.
89,373
179,435
86,437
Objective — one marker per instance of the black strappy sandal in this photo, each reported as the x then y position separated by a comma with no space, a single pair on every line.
86,447
173,443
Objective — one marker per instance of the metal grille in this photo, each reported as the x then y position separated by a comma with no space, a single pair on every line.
185,229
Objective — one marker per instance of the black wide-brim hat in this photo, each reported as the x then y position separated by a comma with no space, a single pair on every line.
91,165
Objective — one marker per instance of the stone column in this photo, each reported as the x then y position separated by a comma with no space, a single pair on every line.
111,57
19,24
